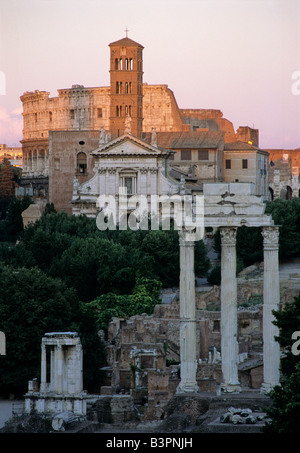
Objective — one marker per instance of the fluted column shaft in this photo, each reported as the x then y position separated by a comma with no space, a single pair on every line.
229,341
271,298
188,361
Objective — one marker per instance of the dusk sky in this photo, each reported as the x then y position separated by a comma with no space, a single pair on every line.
239,56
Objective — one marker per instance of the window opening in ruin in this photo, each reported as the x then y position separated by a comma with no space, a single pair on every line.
81,162
216,326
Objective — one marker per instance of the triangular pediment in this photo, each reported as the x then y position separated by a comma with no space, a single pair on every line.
127,144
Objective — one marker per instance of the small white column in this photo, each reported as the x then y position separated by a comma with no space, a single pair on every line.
229,341
271,297
43,384
60,368
188,360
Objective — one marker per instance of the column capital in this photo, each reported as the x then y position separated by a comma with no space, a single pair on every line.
271,237
187,237
228,235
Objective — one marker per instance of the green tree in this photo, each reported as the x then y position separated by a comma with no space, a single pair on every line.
6,186
143,299
32,304
285,411
286,214
14,221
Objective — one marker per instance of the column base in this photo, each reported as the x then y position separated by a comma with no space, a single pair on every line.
231,388
266,388
187,388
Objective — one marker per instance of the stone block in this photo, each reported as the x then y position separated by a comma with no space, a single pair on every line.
106,390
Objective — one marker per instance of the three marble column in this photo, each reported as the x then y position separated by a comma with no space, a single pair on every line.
229,324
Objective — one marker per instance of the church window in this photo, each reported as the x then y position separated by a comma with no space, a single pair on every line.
131,64
116,64
186,154
121,87
81,162
99,112
129,87
121,64
50,116
126,64
203,154
126,110
72,114
126,87
129,110
121,110
117,110
128,181
117,88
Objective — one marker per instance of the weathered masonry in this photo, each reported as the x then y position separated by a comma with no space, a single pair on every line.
230,206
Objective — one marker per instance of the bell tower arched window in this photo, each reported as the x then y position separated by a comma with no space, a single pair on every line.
81,163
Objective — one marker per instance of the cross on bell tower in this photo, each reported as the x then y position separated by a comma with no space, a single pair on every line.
126,86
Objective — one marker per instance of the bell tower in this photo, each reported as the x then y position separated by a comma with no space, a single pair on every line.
126,87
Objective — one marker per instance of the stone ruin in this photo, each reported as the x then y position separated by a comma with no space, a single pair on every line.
183,348
60,393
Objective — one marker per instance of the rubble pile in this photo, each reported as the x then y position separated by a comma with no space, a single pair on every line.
239,416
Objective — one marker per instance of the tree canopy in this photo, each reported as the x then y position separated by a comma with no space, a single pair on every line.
32,304
285,411
65,274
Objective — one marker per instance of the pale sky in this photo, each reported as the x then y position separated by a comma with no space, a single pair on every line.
239,56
